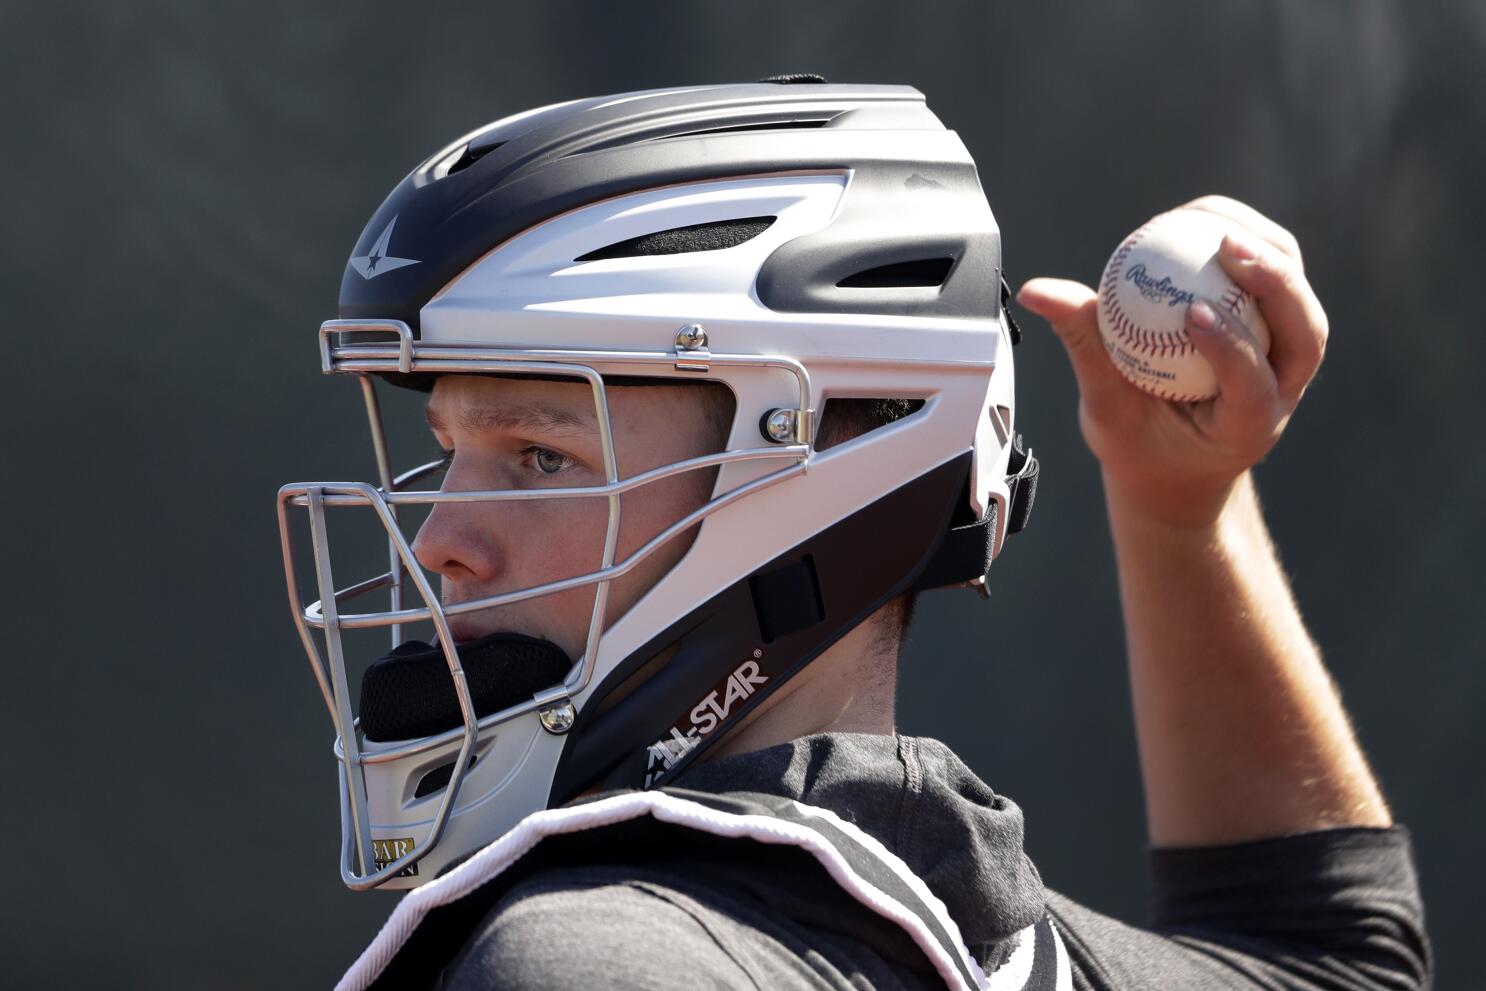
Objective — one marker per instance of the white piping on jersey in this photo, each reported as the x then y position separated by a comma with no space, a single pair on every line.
490,861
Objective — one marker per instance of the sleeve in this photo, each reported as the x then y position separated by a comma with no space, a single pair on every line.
1336,909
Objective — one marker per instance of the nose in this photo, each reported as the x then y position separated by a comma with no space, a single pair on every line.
459,543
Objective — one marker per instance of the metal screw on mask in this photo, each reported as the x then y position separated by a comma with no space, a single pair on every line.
691,349
558,719
786,426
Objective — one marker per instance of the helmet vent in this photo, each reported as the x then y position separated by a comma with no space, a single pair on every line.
927,272
843,419
712,236
438,778
795,124
470,156
794,78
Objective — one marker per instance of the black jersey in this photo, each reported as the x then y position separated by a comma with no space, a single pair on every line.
857,861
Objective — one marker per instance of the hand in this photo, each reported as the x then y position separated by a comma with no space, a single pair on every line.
1179,462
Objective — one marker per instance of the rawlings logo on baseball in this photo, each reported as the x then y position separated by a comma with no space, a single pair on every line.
1162,291
1150,280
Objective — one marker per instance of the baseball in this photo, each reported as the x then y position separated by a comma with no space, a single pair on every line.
1147,286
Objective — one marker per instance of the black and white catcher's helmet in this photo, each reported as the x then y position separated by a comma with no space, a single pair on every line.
797,242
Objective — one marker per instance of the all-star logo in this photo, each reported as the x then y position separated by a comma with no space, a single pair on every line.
706,716
376,261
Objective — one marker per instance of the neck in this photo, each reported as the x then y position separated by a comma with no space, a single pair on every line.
850,688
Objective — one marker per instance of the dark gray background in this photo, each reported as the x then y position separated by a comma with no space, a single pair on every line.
182,185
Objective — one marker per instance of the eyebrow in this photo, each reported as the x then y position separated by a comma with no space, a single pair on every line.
517,417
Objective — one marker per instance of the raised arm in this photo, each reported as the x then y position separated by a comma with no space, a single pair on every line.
1242,734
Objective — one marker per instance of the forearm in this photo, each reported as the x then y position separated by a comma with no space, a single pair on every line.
1241,732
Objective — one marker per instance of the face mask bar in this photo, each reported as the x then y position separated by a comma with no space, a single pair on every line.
325,614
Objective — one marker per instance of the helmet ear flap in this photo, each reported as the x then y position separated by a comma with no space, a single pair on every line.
1011,325
1021,477
969,545
964,553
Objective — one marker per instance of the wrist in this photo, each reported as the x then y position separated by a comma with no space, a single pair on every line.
1167,509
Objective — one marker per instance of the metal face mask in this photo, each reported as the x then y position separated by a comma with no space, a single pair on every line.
796,244
515,687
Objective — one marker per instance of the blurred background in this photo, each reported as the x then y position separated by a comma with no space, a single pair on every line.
183,183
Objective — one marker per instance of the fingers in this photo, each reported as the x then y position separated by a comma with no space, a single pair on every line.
1072,310
1246,216
1264,260
1297,321
1246,385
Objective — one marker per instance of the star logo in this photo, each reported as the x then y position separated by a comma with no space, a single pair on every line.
377,261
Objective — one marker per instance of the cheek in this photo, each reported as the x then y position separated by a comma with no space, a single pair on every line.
552,539
643,515
561,538
646,512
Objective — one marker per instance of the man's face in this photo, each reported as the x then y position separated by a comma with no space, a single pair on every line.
510,433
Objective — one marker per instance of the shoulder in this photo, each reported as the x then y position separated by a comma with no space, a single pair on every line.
626,926
565,928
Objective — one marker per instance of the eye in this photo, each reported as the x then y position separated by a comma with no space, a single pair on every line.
547,461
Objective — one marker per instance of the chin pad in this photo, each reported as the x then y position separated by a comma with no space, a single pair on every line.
409,692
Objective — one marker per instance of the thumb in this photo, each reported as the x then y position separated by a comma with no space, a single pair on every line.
1072,310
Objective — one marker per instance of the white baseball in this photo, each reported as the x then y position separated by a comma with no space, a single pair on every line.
1147,286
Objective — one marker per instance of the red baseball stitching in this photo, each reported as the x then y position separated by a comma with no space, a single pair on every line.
1162,392
1174,397
1137,338
1236,301
1140,339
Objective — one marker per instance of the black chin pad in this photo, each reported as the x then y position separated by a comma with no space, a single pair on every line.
409,692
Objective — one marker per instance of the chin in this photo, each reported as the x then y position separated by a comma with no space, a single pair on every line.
465,634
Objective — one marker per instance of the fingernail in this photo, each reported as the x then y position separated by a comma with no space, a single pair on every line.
1243,246
1203,317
